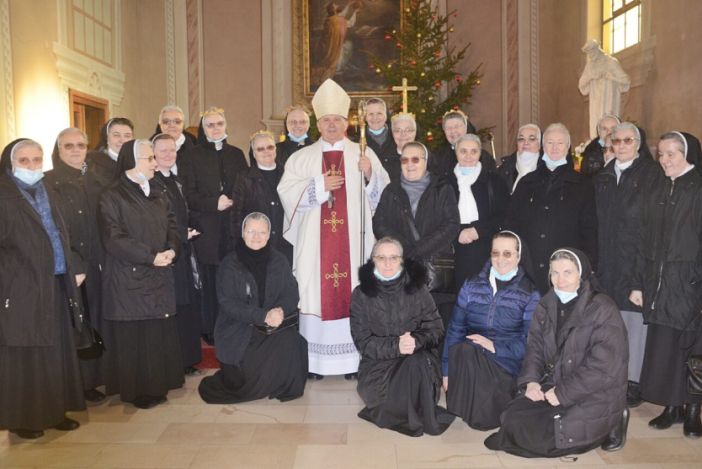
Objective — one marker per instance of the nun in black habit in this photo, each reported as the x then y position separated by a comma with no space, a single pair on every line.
208,175
39,374
102,160
258,344
140,236
187,296
78,192
296,126
171,121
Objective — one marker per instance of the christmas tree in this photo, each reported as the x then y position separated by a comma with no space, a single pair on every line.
429,63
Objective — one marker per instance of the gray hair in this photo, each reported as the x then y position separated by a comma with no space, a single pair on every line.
558,127
531,126
468,138
419,145
387,240
170,108
71,130
378,101
678,138
607,116
403,117
255,216
455,115
628,126
25,144
566,254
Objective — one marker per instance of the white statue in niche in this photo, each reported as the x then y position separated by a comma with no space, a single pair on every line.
604,80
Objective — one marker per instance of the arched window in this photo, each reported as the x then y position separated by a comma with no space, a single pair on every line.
621,24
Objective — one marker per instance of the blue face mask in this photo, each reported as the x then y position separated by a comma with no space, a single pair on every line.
504,277
601,142
299,139
565,296
468,170
376,132
28,176
550,164
380,277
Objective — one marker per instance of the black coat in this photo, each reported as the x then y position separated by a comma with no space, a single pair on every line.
380,314
437,219
508,170
669,260
239,308
492,198
77,198
207,174
589,355
550,210
387,154
287,147
620,223
593,158
27,304
171,188
443,160
103,168
253,193
134,228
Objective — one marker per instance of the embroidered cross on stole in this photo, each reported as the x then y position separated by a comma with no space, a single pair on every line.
335,262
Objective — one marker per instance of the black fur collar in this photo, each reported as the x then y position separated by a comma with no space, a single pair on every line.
413,277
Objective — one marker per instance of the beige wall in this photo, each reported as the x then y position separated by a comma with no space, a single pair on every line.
144,64
232,65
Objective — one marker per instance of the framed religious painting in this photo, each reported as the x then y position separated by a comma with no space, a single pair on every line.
332,39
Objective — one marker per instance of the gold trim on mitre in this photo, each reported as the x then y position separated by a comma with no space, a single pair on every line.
330,98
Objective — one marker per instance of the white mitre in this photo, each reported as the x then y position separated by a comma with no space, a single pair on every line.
330,98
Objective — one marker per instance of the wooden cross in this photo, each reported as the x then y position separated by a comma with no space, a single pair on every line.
336,275
404,88
333,221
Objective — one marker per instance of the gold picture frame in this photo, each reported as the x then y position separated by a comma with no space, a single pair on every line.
331,38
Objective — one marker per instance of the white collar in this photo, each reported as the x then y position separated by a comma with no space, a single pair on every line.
336,146
685,171
180,141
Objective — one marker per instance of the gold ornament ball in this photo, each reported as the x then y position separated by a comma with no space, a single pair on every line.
389,65
422,74
477,82
451,29
377,70
429,134
419,34
424,111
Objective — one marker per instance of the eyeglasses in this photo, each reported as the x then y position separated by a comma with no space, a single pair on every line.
171,121
530,139
256,233
212,125
403,131
71,146
384,259
294,122
627,141
413,160
269,148
150,159
505,254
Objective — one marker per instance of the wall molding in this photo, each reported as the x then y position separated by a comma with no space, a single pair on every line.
170,52
196,92
8,89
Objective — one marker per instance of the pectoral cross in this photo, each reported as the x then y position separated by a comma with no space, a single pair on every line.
404,88
332,172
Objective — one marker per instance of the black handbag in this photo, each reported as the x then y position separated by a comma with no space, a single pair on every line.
441,272
694,364
91,346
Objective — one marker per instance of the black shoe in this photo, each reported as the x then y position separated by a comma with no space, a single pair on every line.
67,425
27,434
617,436
148,402
93,395
493,442
208,338
669,416
350,376
692,426
633,395
315,376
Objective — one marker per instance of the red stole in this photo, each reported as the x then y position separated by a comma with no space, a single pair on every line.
335,260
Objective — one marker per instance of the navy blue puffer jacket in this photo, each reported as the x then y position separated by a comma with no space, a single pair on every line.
503,318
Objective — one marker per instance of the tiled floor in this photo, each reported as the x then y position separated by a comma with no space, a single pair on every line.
319,430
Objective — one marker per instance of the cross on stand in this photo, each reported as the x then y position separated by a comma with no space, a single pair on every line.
404,88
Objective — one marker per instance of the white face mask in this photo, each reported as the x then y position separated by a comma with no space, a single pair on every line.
28,176
565,296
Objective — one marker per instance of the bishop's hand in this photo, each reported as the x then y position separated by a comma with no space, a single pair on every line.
332,183
364,165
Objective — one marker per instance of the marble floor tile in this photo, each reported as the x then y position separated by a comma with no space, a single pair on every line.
52,455
333,414
345,457
445,456
112,432
301,434
208,433
146,456
270,456
261,413
658,450
172,413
